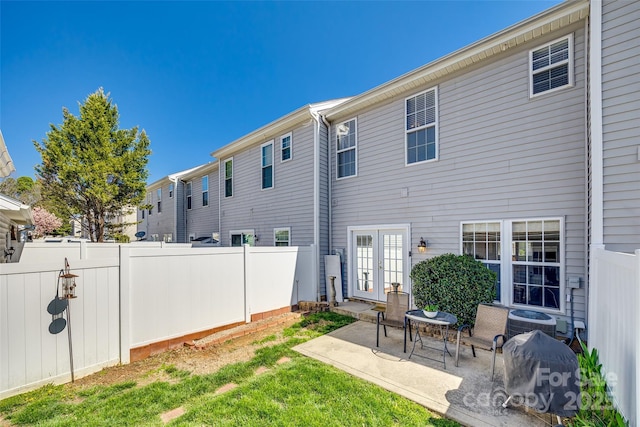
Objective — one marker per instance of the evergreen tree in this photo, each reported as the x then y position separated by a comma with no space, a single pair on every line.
92,168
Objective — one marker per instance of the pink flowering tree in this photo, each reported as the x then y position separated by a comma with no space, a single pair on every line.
45,221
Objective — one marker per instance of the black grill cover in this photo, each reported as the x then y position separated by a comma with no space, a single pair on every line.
544,372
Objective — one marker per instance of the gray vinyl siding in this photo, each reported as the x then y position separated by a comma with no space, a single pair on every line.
621,124
164,222
288,204
501,156
181,214
203,220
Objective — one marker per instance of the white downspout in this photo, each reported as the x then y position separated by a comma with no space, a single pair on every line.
597,163
316,202
595,79
329,201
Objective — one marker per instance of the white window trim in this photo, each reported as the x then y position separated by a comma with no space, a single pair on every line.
171,189
436,125
355,148
224,178
276,230
159,194
290,135
205,191
506,270
189,196
570,61
273,169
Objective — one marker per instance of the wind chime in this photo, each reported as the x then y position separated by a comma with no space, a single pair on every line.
65,290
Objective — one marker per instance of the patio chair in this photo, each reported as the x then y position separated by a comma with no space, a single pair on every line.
488,333
393,315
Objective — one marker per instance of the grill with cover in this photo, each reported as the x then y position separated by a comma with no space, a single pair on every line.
543,372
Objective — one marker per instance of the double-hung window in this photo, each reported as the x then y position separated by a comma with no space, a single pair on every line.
267,164
481,240
527,256
551,66
228,178
282,236
536,258
205,190
189,187
421,112
285,147
171,190
149,203
159,200
346,146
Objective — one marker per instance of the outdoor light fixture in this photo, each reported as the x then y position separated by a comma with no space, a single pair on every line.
422,246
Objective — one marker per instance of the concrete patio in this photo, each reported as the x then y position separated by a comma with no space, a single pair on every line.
465,394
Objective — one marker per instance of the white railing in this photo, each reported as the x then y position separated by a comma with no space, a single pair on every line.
614,324
144,294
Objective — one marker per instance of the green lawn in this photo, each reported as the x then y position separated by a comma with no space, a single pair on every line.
299,392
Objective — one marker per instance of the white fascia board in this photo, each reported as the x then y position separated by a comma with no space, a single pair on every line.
15,210
199,171
275,128
553,19
6,163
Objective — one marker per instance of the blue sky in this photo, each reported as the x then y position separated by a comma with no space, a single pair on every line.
198,75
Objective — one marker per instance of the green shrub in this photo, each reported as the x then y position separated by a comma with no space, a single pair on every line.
456,283
596,408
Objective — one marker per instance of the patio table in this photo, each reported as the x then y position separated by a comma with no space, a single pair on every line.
442,319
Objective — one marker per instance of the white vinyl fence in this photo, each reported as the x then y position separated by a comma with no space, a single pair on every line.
130,296
614,325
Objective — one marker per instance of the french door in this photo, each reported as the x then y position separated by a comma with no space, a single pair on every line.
378,259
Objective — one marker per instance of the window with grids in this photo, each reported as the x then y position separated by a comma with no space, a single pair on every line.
267,165
171,190
551,66
228,178
535,254
159,200
285,147
189,187
346,146
481,240
282,236
205,190
421,121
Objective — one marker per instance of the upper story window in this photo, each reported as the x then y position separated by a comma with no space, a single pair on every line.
551,66
159,200
189,188
346,146
421,121
171,190
205,190
285,147
282,236
228,178
267,164
149,200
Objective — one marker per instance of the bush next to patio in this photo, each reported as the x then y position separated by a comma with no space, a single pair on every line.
456,283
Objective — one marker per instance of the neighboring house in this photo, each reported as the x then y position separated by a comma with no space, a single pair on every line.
520,150
274,188
13,213
199,217
159,221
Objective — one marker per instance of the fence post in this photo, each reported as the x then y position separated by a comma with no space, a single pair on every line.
247,285
125,309
592,294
